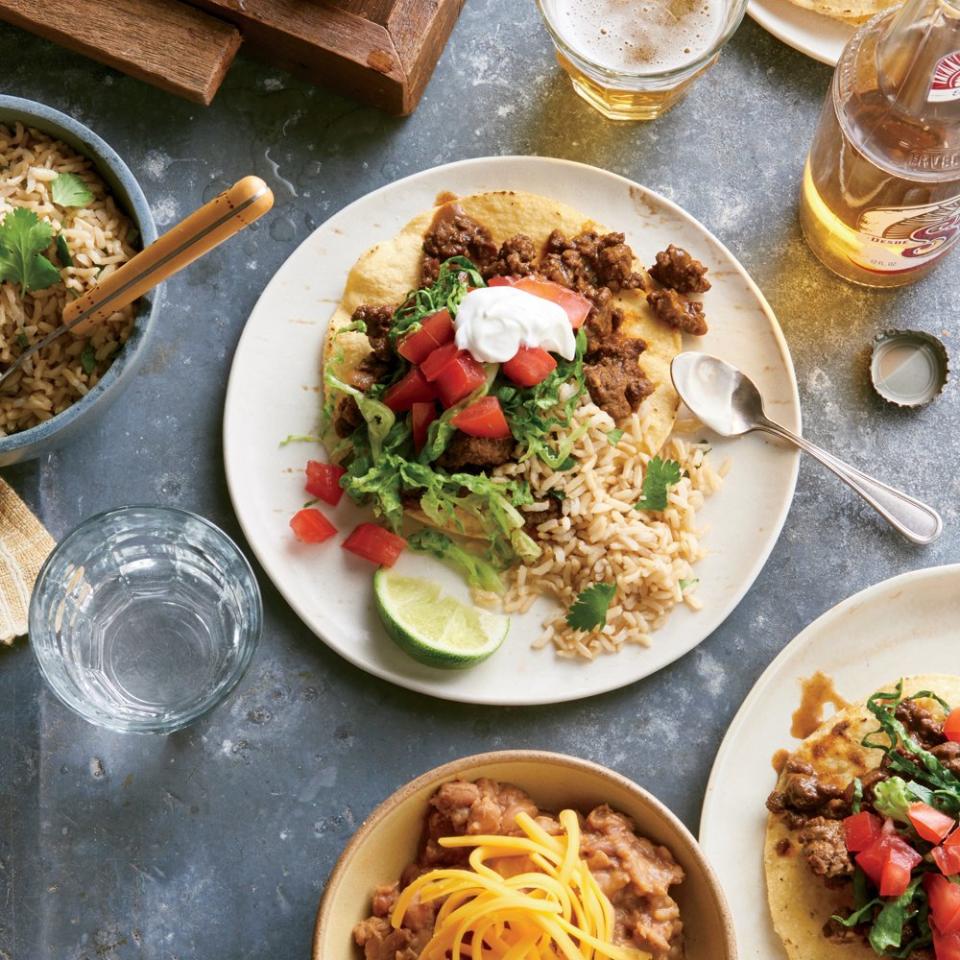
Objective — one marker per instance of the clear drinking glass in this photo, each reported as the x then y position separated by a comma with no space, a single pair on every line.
634,59
145,618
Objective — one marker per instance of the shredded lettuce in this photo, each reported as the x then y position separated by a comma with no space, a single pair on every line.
533,413
457,275
441,431
380,418
478,571
892,799
887,930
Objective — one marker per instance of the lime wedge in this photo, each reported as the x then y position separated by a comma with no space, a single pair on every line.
432,628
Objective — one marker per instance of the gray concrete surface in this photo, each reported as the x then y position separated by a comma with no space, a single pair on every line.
214,843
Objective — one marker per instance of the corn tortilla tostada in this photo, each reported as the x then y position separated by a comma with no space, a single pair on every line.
385,275
852,868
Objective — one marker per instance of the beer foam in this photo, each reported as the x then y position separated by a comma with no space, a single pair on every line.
639,36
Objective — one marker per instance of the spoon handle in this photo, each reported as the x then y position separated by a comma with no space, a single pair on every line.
204,229
913,518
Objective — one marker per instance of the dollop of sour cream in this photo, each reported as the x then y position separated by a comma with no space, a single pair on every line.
493,323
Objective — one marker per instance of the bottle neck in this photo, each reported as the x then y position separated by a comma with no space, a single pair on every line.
914,40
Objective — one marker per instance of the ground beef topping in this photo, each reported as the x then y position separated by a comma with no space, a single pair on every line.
475,453
381,360
920,723
378,320
686,315
346,417
517,258
825,848
949,755
590,262
613,376
454,234
676,269
804,796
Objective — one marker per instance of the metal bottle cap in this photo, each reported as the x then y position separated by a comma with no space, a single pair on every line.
909,368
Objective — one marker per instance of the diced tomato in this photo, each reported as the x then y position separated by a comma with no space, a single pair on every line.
311,526
860,830
412,388
421,416
894,879
944,899
951,727
886,849
435,331
946,947
576,306
459,379
929,823
435,364
529,367
483,419
376,544
323,481
947,858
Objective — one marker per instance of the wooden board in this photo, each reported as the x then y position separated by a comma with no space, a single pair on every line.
165,42
379,51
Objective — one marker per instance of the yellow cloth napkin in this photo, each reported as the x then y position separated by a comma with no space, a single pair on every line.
24,545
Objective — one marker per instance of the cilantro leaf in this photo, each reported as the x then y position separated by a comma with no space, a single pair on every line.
589,610
687,584
23,341
69,190
22,238
88,360
614,436
660,475
63,252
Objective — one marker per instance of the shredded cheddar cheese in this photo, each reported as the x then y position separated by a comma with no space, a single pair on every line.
523,898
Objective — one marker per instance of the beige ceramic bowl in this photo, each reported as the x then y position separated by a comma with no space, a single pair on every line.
387,842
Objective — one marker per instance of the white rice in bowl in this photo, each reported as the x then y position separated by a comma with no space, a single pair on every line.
600,537
100,238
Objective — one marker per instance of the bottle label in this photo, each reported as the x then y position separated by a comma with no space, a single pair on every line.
897,239
945,85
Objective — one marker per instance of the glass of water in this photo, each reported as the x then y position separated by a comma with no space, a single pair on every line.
145,618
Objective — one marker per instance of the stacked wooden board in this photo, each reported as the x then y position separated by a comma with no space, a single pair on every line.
381,52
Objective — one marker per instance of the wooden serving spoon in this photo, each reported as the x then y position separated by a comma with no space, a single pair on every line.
226,214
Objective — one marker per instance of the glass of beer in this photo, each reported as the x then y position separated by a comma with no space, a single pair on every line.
634,59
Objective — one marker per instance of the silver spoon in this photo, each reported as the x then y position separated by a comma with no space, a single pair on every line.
729,403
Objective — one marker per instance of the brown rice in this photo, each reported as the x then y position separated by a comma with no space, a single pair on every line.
600,537
100,238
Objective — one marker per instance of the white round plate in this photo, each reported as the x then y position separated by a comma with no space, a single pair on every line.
900,627
274,391
820,37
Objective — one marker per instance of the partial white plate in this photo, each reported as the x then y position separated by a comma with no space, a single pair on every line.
900,627
820,37
274,391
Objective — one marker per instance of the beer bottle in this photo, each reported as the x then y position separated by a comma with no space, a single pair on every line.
881,189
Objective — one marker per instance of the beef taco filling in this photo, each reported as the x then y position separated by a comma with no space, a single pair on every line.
454,403
422,422
871,809
635,876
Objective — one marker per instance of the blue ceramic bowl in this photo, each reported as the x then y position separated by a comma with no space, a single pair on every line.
42,438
